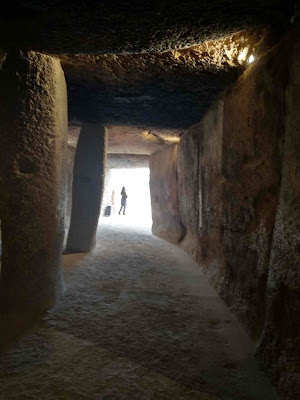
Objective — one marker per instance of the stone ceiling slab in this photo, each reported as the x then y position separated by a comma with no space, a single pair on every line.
169,90
130,26
129,140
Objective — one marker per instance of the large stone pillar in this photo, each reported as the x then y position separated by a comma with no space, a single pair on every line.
88,180
33,138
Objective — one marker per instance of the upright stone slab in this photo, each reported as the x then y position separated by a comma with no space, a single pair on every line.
188,188
88,180
33,138
164,195
279,347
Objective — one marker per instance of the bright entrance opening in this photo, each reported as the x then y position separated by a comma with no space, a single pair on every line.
138,207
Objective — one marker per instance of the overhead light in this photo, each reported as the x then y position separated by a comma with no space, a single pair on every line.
251,59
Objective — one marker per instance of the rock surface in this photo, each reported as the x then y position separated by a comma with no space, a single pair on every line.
164,195
188,188
169,90
231,170
280,343
127,161
253,136
125,140
131,26
33,108
137,140
200,191
87,190
229,201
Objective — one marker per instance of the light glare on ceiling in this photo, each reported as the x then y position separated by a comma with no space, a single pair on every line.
243,54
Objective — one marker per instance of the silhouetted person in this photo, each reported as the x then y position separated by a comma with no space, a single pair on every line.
123,200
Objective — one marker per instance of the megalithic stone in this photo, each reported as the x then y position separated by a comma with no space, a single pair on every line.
88,179
33,142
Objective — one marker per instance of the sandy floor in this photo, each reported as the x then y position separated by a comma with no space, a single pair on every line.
138,321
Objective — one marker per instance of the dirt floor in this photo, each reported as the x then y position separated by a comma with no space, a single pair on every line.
138,321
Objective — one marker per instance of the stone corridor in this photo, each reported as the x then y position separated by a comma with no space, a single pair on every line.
138,321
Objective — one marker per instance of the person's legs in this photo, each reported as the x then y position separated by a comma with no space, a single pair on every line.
123,205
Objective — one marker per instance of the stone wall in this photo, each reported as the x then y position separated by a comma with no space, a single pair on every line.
229,168
279,347
70,165
253,135
238,188
188,189
164,195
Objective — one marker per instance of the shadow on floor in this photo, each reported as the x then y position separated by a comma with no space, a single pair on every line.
15,325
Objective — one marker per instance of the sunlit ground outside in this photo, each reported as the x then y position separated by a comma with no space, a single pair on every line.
138,208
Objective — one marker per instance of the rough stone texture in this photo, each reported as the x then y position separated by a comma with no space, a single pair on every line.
137,140
33,107
131,140
230,176
132,26
279,347
158,90
230,218
253,135
88,179
140,324
211,183
70,168
204,219
164,195
152,64
127,160
188,188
